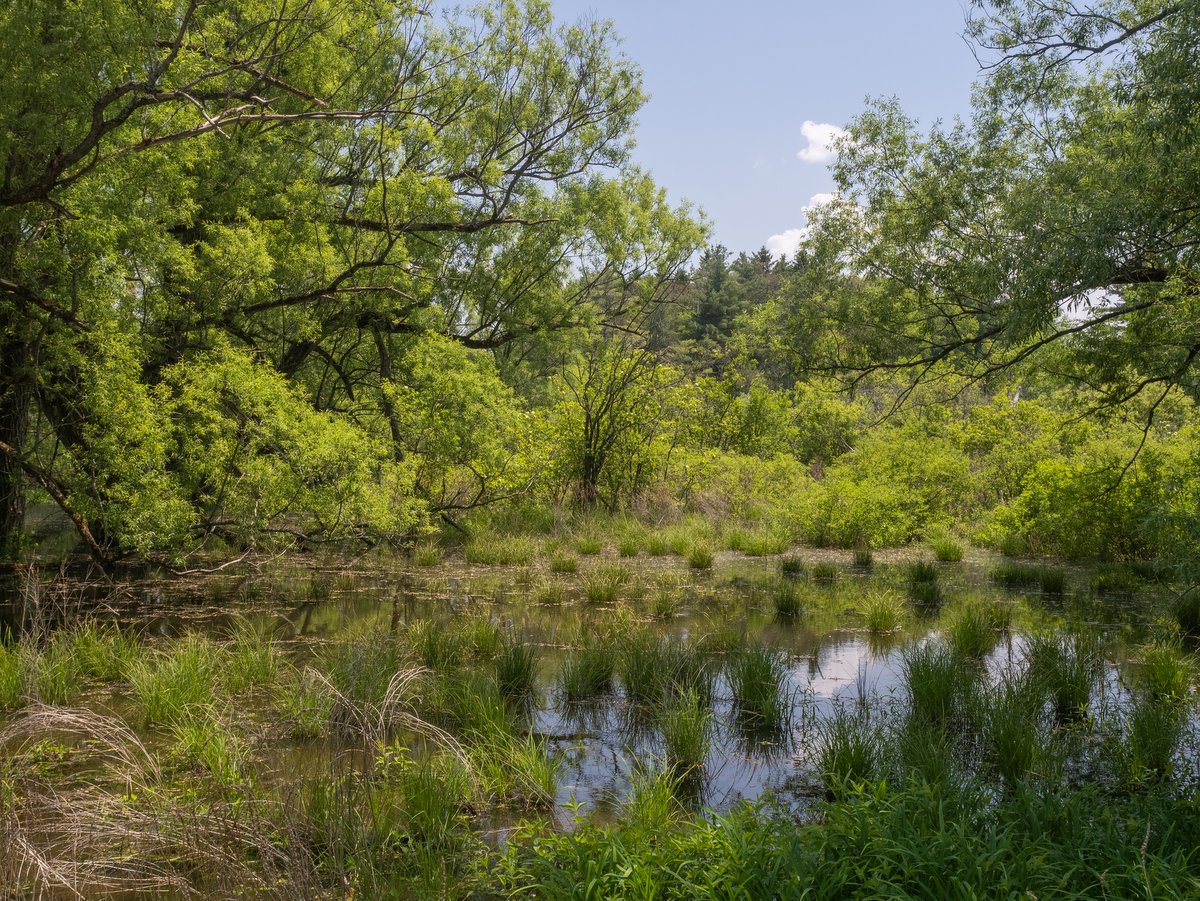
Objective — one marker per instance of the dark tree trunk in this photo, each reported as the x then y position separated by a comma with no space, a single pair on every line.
15,397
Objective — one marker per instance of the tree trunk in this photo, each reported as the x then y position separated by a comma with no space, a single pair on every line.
15,396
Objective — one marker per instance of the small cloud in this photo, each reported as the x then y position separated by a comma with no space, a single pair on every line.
821,137
788,242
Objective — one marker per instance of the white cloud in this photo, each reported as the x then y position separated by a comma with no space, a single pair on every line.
788,242
820,136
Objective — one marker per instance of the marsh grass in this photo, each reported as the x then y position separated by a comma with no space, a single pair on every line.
204,741
426,554
589,545
1017,576
792,566
304,705
1065,668
54,672
12,679
629,546
479,636
1153,730
587,672
1185,608
787,598
825,573
863,558
252,657
563,563
760,542
602,584
549,593
490,549
946,549
361,668
924,586
1164,671
975,629
169,685
883,612
652,802
666,595
655,545
1011,545
849,750
435,646
105,652
686,721
758,678
1115,582
1017,744
700,556
923,754
940,684
516,772
516,667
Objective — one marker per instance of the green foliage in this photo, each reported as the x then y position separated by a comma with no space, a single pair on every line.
170,685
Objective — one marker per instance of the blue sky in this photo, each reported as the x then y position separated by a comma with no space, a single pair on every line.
733,84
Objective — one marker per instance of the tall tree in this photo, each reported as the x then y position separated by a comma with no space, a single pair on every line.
1059,225
208,202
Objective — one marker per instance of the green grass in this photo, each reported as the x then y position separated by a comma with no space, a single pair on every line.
849,750
12,679
602,584
863,558
435,646
1164,672
170,685
883,612
686,721
516,667
304,704
787,598
1017,745
203,742
1153,732
947,550
655,545
973,631
1186,610
105,652
1065,669
700,556
792,566
939,683
1027,576
629,546
758,678
589,545
253,658
1116,581
426,553
500,550
54,672
826,573
924,586
587,672
549,593
563,563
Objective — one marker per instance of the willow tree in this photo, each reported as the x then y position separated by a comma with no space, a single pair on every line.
1058,226
227,227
